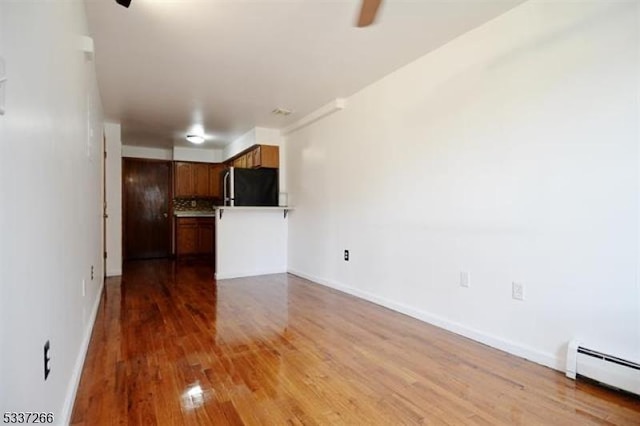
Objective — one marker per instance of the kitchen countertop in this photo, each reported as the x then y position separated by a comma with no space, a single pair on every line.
212,212
195,213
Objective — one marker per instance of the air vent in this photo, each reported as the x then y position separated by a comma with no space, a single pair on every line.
281,111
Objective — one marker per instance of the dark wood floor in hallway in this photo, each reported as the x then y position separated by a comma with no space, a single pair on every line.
170,346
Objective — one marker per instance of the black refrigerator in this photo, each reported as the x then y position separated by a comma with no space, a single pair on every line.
250,187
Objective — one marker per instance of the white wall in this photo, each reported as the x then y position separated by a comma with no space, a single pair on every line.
243,142
250,242
114,198
50,183
197,154
510,153
133,151
178,153
4,292
265,136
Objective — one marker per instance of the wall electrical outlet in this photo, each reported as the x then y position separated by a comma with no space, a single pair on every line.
193,203
517,291
346,255
47,359
465,279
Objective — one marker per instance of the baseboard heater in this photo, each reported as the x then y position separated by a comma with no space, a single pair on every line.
604,368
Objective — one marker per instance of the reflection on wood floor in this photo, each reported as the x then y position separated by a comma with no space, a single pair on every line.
171,346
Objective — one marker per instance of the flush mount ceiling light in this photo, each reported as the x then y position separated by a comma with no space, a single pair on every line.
196,139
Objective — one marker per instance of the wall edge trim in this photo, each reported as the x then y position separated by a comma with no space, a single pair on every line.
242,274
74,383
114,273
510,347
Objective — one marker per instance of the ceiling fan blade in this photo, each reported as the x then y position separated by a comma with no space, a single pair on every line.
368,12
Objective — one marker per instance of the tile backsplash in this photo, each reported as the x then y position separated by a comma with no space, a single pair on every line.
193,204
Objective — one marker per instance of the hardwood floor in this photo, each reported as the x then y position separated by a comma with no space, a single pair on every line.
172,347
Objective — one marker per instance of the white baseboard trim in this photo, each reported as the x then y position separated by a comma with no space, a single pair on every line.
513,348
72,388
240,274
114,272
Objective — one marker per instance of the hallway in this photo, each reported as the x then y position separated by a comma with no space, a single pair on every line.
171,347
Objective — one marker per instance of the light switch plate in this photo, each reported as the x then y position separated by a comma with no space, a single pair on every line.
464,279
517,290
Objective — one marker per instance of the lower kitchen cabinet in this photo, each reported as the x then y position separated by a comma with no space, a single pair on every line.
206,236
195,236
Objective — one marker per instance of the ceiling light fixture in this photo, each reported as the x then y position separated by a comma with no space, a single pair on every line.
195,139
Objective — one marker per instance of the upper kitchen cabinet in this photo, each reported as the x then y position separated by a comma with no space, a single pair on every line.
197,179
183,184
266,156
240,162
258,156
215,180
201,180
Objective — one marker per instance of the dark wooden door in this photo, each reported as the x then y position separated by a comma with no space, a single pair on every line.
146,196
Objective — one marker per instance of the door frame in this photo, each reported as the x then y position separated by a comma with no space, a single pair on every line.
124,202
104,205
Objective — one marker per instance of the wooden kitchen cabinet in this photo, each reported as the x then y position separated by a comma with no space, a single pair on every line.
267,156
195,236
257,156
183,180
186,236
206,236
249,159
215,180
197,179
240,162
200,179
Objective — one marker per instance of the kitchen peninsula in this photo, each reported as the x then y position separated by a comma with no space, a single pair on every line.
241,240
250,241
245,241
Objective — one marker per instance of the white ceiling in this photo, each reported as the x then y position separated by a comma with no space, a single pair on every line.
165,66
